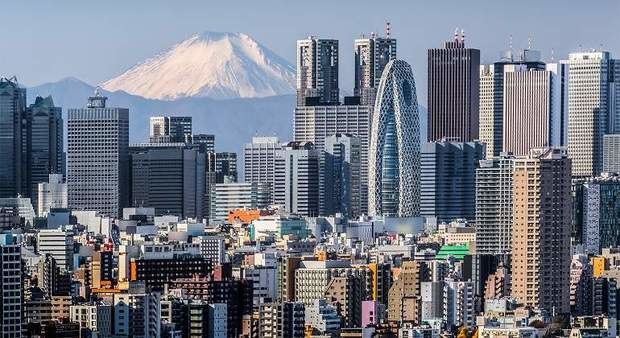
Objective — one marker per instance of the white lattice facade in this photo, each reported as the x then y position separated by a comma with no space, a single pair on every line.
394,155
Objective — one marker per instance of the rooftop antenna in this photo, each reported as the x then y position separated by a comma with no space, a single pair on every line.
552,55
529,42
387,29
462,35
510,43
456,34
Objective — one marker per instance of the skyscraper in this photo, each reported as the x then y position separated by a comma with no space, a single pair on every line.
226,167
317,72
394,153
259,159
453,86
170,129
491,106
541,235
534,112
98,157
371,56
599,203
169,178
207,141
494,205
339,184
46,142
594,80
14,172
448,179
296,178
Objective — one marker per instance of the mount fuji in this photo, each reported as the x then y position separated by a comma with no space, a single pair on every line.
210,64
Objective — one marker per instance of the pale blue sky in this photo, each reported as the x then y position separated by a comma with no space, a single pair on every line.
45,40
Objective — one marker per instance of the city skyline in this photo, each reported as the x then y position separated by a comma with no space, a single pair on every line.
218,190
135,39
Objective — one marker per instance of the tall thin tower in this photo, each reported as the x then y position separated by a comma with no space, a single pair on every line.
371,56
453,81
317,72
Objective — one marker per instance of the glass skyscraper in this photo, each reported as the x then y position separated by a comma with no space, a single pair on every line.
14,178
394,155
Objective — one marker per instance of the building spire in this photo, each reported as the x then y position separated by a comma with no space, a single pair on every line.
388,28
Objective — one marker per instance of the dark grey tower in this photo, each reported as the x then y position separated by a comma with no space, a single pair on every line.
453,80
448,179
371,56
47,153
340,174
14,136
317,72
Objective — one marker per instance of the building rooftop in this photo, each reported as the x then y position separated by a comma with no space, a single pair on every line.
457,251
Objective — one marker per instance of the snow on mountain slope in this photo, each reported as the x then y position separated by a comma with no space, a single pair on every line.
215,65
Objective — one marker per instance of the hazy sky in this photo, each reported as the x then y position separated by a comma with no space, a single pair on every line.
46,40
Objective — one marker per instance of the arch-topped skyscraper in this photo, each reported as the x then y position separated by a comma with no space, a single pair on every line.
394,154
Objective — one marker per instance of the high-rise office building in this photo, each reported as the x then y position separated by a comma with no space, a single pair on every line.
317,72
98,157
599,205
52,194
169,177
226,167
394,153
314,124
46,142
611,153
491,104
170,129
594,82
11,286
448,179
207,141
494,205
453,85
541,235
534,107
14,172
296,178
372,54
259,159
339,181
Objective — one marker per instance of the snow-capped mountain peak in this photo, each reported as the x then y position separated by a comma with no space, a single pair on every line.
210,64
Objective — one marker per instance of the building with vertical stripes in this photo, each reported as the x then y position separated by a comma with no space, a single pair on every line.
533,113
371,56
594,83
453,87
296,179
317,72
494,205
541,235
316,123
